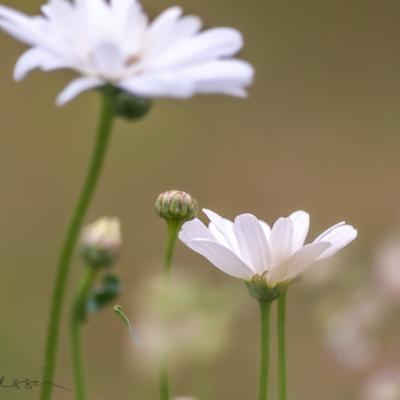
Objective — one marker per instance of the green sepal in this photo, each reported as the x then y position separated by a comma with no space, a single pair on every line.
102,296
127,105
131,107
261,291
98,257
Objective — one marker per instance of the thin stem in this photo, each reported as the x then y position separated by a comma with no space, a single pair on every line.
173,230
265,314
120,312
282,345
164,383
96,162
78,316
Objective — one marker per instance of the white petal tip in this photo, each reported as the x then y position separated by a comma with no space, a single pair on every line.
18,75
355,232
18,78
60,102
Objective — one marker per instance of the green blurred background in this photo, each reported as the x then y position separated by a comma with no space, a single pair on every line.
319,131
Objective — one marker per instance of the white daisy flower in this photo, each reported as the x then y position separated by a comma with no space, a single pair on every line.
248,248
113,42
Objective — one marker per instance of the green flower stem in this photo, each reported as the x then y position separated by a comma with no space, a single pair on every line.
173,230
265,314
174,227
71,238
164,384
78,317
282,345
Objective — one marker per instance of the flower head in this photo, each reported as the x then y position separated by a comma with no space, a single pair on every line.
250,249
101,242
112,42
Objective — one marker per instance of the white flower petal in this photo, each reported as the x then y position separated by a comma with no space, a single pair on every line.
208,45
126,11
221,257
96,14
158,37
223,76
169,29
58,10
338,236
218,235
108,59
252,243
122,7
297,263
23,28
301,225
194,229
188,26
36,58
329,230
162,84
164,22
281,240
266,228
76,87
305,257
225,226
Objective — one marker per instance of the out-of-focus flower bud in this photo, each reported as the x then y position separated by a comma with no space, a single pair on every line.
101,242
176,205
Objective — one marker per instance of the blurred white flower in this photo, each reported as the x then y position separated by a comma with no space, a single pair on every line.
184,398
112,42
351,347
348,332
387,268
383,385
248,247
190,336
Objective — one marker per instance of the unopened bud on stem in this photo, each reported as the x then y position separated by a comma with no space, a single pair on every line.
176,205
101,242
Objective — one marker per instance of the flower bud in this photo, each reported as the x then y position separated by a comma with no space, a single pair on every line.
101,242
176,205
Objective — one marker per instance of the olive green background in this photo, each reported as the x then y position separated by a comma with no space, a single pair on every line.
319,131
